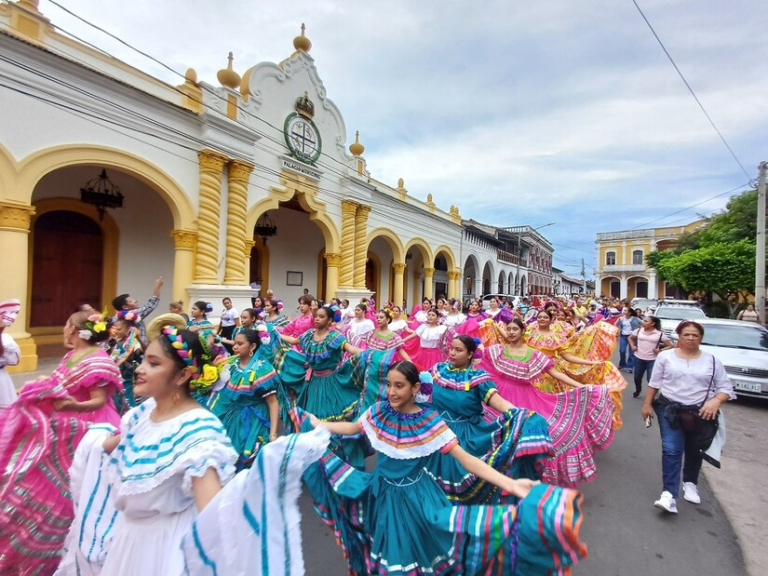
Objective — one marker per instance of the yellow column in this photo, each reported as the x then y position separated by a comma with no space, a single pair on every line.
185,242
332,261
234,270
211,167
347,271
453,278
397,296
14,238
428,284
247,250
361,245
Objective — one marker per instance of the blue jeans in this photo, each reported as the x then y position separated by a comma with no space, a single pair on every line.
641,367
626,356
677,445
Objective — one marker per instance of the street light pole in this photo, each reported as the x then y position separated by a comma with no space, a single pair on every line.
760,248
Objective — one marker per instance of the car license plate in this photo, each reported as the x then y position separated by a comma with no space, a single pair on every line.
747,386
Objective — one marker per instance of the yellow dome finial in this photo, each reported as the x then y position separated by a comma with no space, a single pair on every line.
228,77
356,148
302,43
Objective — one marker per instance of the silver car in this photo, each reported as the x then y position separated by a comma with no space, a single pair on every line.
742,347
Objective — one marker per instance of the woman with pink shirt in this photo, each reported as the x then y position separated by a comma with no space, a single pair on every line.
646,342
302,322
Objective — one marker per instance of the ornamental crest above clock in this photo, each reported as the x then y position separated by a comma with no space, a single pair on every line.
301,134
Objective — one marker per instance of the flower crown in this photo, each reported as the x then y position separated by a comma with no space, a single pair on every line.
389,312
204,373
96,324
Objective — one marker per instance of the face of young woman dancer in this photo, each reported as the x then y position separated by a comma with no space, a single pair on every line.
359,314
494,303
258,303
514,333
458,354
474,307
543,320
304,308
400,392
321,319
247,320
196,313
382,320
396,312
242,348
158,375
426,304
432,317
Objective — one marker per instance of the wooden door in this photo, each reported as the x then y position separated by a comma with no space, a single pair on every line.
67,266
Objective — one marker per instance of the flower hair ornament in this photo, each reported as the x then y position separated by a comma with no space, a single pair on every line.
96,324
336,313
425,391
128,316
208,307
478,353
279,304
263,332
205,373
388,312
456,306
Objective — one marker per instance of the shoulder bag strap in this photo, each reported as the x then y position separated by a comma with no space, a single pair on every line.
711,380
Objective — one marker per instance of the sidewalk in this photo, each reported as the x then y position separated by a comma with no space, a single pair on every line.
740,484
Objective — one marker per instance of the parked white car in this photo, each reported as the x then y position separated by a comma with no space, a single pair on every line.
671,315
742,347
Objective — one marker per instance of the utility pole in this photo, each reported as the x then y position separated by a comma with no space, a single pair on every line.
760,248
583,277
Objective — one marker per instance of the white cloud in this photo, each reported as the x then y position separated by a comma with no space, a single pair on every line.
517,112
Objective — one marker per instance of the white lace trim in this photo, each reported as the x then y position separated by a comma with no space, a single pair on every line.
430,447
188,444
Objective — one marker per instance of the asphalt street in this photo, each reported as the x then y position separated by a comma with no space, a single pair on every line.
625,534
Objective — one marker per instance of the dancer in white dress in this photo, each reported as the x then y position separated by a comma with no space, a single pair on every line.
455,316
169,460
10,354
360,328
137,495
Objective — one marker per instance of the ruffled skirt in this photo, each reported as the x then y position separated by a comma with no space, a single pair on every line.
411,528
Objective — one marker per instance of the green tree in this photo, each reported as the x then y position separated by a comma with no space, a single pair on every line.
727,270
717,258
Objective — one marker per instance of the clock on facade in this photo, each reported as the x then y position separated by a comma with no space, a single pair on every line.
301,135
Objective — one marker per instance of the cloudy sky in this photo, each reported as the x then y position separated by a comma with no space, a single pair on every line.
518,112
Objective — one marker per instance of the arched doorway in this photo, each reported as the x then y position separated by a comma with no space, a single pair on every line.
501,282
67,266
373,277
487,278
293,259
523,286
471,274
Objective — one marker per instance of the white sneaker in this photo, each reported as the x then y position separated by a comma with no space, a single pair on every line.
666,503
691,493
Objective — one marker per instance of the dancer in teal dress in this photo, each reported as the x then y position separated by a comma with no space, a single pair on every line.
516,443
199,321
273,313
397,521
247,404
317,381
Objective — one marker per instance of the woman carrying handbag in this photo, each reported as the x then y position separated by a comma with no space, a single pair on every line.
646,342
692,385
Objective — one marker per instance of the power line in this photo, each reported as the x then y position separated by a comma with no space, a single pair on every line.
731,191
687,85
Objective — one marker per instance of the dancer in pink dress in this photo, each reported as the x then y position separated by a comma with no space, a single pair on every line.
475,315
301,323
579,419
384,338
431,341
38,437
359,328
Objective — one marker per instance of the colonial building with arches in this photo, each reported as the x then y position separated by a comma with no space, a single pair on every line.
250,180
622,270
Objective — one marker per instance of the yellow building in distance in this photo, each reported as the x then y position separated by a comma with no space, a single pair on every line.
622,270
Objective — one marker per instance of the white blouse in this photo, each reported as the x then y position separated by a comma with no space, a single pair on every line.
687,381
398,325
453,320
429,336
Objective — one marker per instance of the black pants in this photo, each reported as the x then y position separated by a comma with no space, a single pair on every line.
226,333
